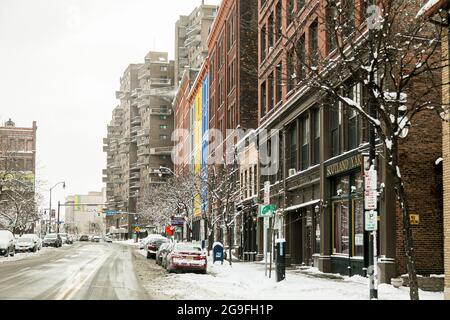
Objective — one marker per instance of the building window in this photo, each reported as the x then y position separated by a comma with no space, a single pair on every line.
220,93
332,16
279,22
279,83
212,69
271,40
352,120
163,127
317,128
271,93
314,44
263,48
291,70
335,122
231,76
349,16
301,58
305,142
163,117
163,137
263,101
293,141
290,12
231,31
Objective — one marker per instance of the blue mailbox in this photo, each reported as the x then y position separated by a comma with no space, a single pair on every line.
218,252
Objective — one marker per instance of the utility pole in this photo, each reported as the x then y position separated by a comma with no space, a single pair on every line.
57,222
371,207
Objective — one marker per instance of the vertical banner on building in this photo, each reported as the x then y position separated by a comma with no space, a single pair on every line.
77,203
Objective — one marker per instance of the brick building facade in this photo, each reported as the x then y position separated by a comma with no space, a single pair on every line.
319,185
233,69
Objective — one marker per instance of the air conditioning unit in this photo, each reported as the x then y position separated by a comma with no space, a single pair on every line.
292,172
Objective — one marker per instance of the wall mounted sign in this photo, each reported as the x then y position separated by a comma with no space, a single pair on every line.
415,219
344,165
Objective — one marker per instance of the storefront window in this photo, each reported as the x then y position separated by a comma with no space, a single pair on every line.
358,207
341,231
317,233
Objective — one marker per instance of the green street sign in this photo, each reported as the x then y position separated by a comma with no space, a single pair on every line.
267,211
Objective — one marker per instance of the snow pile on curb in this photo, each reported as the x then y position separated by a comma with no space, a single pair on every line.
26,255
247,281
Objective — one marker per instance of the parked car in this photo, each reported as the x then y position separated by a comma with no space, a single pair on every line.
70,239
64,238
143,242
52,240
35,238
84,238
7,243
25,243
153,246
108,240
96,239
162,252
186,257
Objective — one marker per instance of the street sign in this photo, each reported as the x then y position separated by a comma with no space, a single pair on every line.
371,221
267,210
178,222
415,219
371,193
267,193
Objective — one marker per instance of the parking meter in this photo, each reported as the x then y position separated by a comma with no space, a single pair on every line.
280,259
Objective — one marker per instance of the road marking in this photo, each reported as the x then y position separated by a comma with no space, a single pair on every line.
70,292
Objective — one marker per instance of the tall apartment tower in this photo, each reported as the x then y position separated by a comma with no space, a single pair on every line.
138,141
191,34
154,143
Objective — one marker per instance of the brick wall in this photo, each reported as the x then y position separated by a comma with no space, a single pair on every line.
423,183
446,156
248,64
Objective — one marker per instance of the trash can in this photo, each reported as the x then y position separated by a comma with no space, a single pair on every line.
280,245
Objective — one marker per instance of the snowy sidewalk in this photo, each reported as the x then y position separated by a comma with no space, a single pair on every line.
247,281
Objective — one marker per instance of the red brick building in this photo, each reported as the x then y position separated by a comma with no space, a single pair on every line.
233,74
233,48
320,182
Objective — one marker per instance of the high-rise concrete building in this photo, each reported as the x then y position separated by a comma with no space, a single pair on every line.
139,141
191,35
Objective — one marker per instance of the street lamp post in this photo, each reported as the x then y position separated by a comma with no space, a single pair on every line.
50,207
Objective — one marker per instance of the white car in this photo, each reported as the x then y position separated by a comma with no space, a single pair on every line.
143,243
28,242
7,243
35,238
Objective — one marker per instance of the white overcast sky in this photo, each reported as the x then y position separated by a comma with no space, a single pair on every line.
60,64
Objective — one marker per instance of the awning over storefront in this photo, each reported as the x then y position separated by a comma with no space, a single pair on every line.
301,206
